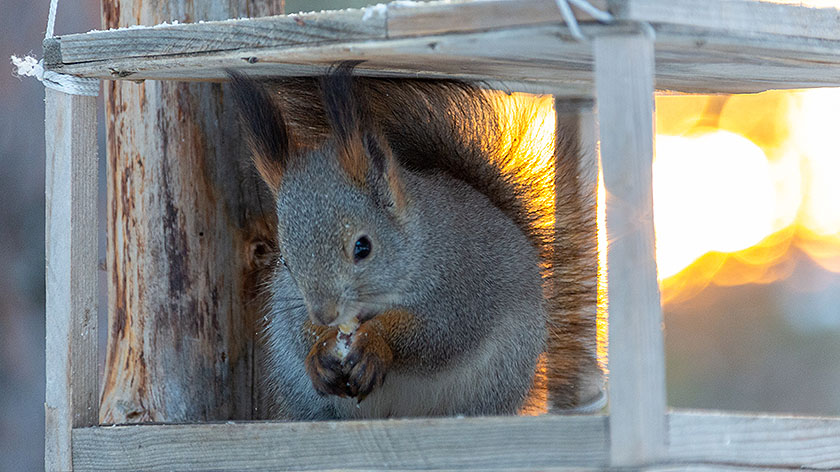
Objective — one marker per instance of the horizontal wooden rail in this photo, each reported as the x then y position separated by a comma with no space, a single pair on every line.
701,440
449,443
756,440
701,45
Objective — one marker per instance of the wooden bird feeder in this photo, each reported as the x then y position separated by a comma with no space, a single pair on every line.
706,46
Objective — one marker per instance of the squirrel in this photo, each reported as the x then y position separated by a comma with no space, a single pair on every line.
413,276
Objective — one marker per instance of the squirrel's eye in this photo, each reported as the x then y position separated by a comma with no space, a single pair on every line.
361,249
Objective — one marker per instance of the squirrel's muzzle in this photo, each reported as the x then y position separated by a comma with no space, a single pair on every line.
322,312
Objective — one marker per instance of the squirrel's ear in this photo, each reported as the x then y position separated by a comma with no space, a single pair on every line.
384,177
343,112
264,127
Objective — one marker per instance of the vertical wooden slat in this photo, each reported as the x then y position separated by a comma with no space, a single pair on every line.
624,68
575,381
71,230
187,222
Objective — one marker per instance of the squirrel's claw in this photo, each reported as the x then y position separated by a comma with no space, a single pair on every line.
368,362
325,368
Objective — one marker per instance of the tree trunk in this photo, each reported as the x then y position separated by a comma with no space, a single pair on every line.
187,221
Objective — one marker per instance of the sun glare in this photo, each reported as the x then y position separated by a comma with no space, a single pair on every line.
738,183
699,207
740,180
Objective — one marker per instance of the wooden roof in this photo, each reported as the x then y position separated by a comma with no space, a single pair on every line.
725,46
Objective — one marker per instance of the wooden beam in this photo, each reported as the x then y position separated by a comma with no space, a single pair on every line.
699,441
755,440
215,36
624,90
740,16
444,443
188,230
699,47
72,388
688,59
422,19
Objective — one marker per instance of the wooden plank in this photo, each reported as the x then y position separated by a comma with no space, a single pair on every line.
699,441
624,91
445,443
708,467
215,36
514,58
688,60
755,440
71,272
741,16
710,61
186,224
415,19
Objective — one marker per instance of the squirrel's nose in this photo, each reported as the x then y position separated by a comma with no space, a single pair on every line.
322,313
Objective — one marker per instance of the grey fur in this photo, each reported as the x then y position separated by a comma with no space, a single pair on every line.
466,255
455,261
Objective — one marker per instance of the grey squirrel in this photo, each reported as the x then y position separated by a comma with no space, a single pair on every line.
413,277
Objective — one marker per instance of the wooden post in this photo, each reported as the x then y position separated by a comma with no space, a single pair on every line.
187,223
71,186
624,70
576,384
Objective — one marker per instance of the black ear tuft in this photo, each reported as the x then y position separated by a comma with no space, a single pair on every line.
378,152
384,177
264,126
340,102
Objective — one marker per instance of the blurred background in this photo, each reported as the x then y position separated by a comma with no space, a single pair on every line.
747,204
22,26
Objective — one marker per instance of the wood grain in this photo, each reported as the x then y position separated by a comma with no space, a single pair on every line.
447,443
542,57
624,90
185,221
741,16
450,17
699,441
72,387
755,440
215,36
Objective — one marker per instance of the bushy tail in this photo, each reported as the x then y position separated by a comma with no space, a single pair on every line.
483,138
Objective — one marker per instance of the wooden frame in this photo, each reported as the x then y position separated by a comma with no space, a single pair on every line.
698,46
72,391
695,439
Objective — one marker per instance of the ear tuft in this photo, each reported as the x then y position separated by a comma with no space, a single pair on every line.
264,127
384,175
344,113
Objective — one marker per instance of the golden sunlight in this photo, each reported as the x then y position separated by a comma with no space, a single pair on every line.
739,181
703,202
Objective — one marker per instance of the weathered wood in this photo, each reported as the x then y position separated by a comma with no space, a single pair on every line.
755,440
185,225
216,36
624,87
71,307
447,17
743,16
703,50
447,443
699,441
689,60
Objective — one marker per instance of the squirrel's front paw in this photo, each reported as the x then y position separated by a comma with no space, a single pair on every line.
324,366
367,362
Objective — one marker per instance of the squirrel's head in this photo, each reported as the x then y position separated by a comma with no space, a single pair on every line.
341,207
